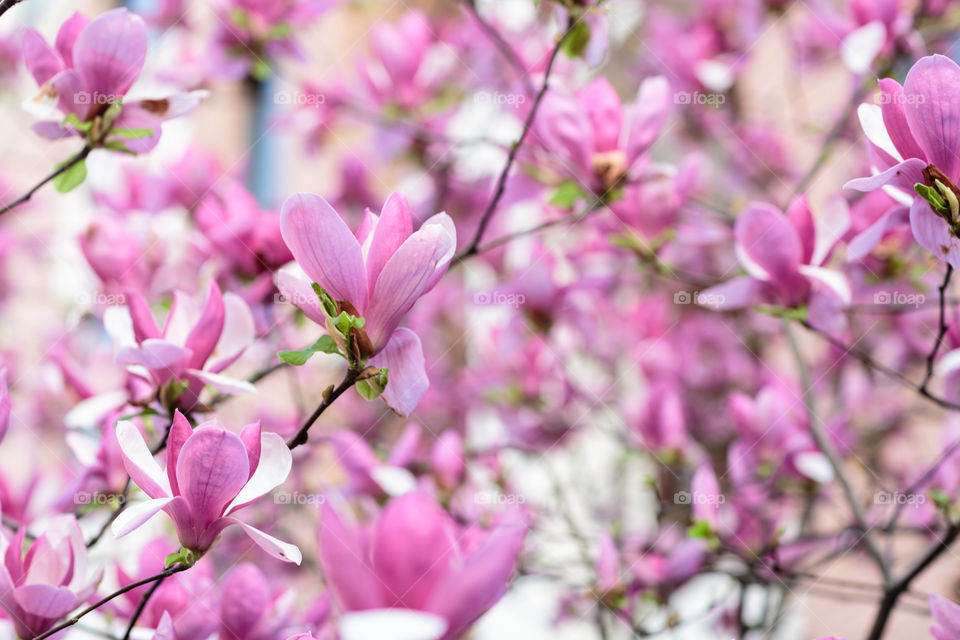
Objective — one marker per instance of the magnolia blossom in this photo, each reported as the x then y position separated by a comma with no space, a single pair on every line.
913,137
92,66
596,141
211,473
379,274
415,571
195,345
5,403
784,256
39,587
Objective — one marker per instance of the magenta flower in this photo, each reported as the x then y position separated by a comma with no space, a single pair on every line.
379,274
946,615
195,345
91,67
913,137
5,403
417,559
39,587
211,473
784,257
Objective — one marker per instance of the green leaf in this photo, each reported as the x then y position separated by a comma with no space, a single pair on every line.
932,196
72,177
131,133
118,146
345,321
326,344
326,300
372,387
941,499
700,529
74,121
575,44
567,194
279,31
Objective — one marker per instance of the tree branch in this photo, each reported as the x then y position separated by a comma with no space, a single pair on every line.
328,399
76,159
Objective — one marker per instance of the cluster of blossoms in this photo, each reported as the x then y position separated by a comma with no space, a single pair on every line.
594,321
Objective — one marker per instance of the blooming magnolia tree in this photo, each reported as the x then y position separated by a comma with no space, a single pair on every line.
590,319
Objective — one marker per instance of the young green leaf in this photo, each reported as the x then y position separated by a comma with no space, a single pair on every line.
71,177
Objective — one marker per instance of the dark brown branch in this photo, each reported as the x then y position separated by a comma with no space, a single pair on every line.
79,157
328,399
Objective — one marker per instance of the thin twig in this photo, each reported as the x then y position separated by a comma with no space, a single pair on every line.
941,330
6,5
142,606
474,245
99,603
79,157
328,399
507,51
823,443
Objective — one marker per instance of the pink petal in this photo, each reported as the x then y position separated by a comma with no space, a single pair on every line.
68,34
277,548
211,470
324,247
41,60
342,556
801,218
407,376
394,226
45,600
139,462
220,382
208,328
5,403
413,549
605,111
298,292
647,116
933,233
705,494
733,294
946,614
932,89
180,432
110,52
412,271
136,515
463,596
164,360
144,326
767,244
273,467
239,332
251,436
563,128
895,119
864,242
902,176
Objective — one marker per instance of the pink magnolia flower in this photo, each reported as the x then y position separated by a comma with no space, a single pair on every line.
784,257
39,587
946,616
92,66
415,558
595,140
195,345
379,274
913,136
211,473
